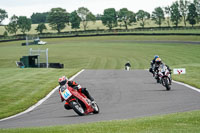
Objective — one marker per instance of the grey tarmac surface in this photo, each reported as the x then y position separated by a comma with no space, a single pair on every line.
120,94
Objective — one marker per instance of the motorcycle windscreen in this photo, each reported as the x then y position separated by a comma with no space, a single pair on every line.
65,92
163,68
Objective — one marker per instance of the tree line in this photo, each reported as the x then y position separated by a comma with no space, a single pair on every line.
59,18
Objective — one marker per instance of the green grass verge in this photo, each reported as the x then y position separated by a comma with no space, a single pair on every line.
187,122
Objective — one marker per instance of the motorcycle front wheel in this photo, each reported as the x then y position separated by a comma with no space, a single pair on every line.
77,108
96,108
166,83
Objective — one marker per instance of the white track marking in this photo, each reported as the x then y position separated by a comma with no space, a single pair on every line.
186,85
41,101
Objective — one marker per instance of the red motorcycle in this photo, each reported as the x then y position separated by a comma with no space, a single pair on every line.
77,101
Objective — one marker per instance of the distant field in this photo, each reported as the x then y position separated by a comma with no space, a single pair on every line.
98,25
112,51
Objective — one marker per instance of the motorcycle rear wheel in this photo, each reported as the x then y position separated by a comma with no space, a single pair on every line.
77,108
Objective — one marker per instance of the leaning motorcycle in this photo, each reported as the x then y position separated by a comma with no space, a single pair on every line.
164,77
78,102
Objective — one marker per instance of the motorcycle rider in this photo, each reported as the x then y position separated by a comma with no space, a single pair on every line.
63,80
127,65
152,68
159,63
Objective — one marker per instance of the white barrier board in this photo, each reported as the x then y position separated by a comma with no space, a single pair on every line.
179,71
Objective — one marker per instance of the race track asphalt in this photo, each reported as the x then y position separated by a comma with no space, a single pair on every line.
120,94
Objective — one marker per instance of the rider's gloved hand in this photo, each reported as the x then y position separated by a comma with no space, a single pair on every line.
79,86
75,87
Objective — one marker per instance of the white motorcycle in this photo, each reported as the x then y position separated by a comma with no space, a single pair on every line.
127,68
164,76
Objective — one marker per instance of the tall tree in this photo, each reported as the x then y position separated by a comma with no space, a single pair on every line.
58,18
109,18
85,16
37,18
98,17
175,13
158,15
167,12
192,14
142,16
41,27
91,17
184,9
24,24
12,27
3,15
197,6
126,17
75,20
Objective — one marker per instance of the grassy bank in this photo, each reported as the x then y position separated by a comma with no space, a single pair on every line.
106,52
174,123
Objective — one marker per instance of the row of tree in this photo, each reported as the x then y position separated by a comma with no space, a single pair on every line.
59,18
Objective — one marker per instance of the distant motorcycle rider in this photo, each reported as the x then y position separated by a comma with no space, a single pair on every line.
127,65
152,68
63,80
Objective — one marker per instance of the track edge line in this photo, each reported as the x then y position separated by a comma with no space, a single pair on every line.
186,85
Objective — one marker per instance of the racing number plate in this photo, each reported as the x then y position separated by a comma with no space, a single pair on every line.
66,94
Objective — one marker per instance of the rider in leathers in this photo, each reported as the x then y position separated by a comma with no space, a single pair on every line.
152,69
160,64
127,65
63,80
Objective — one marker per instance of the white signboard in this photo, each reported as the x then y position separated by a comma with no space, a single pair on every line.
179,71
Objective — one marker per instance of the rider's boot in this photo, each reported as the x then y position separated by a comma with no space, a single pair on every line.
170,81
86,93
